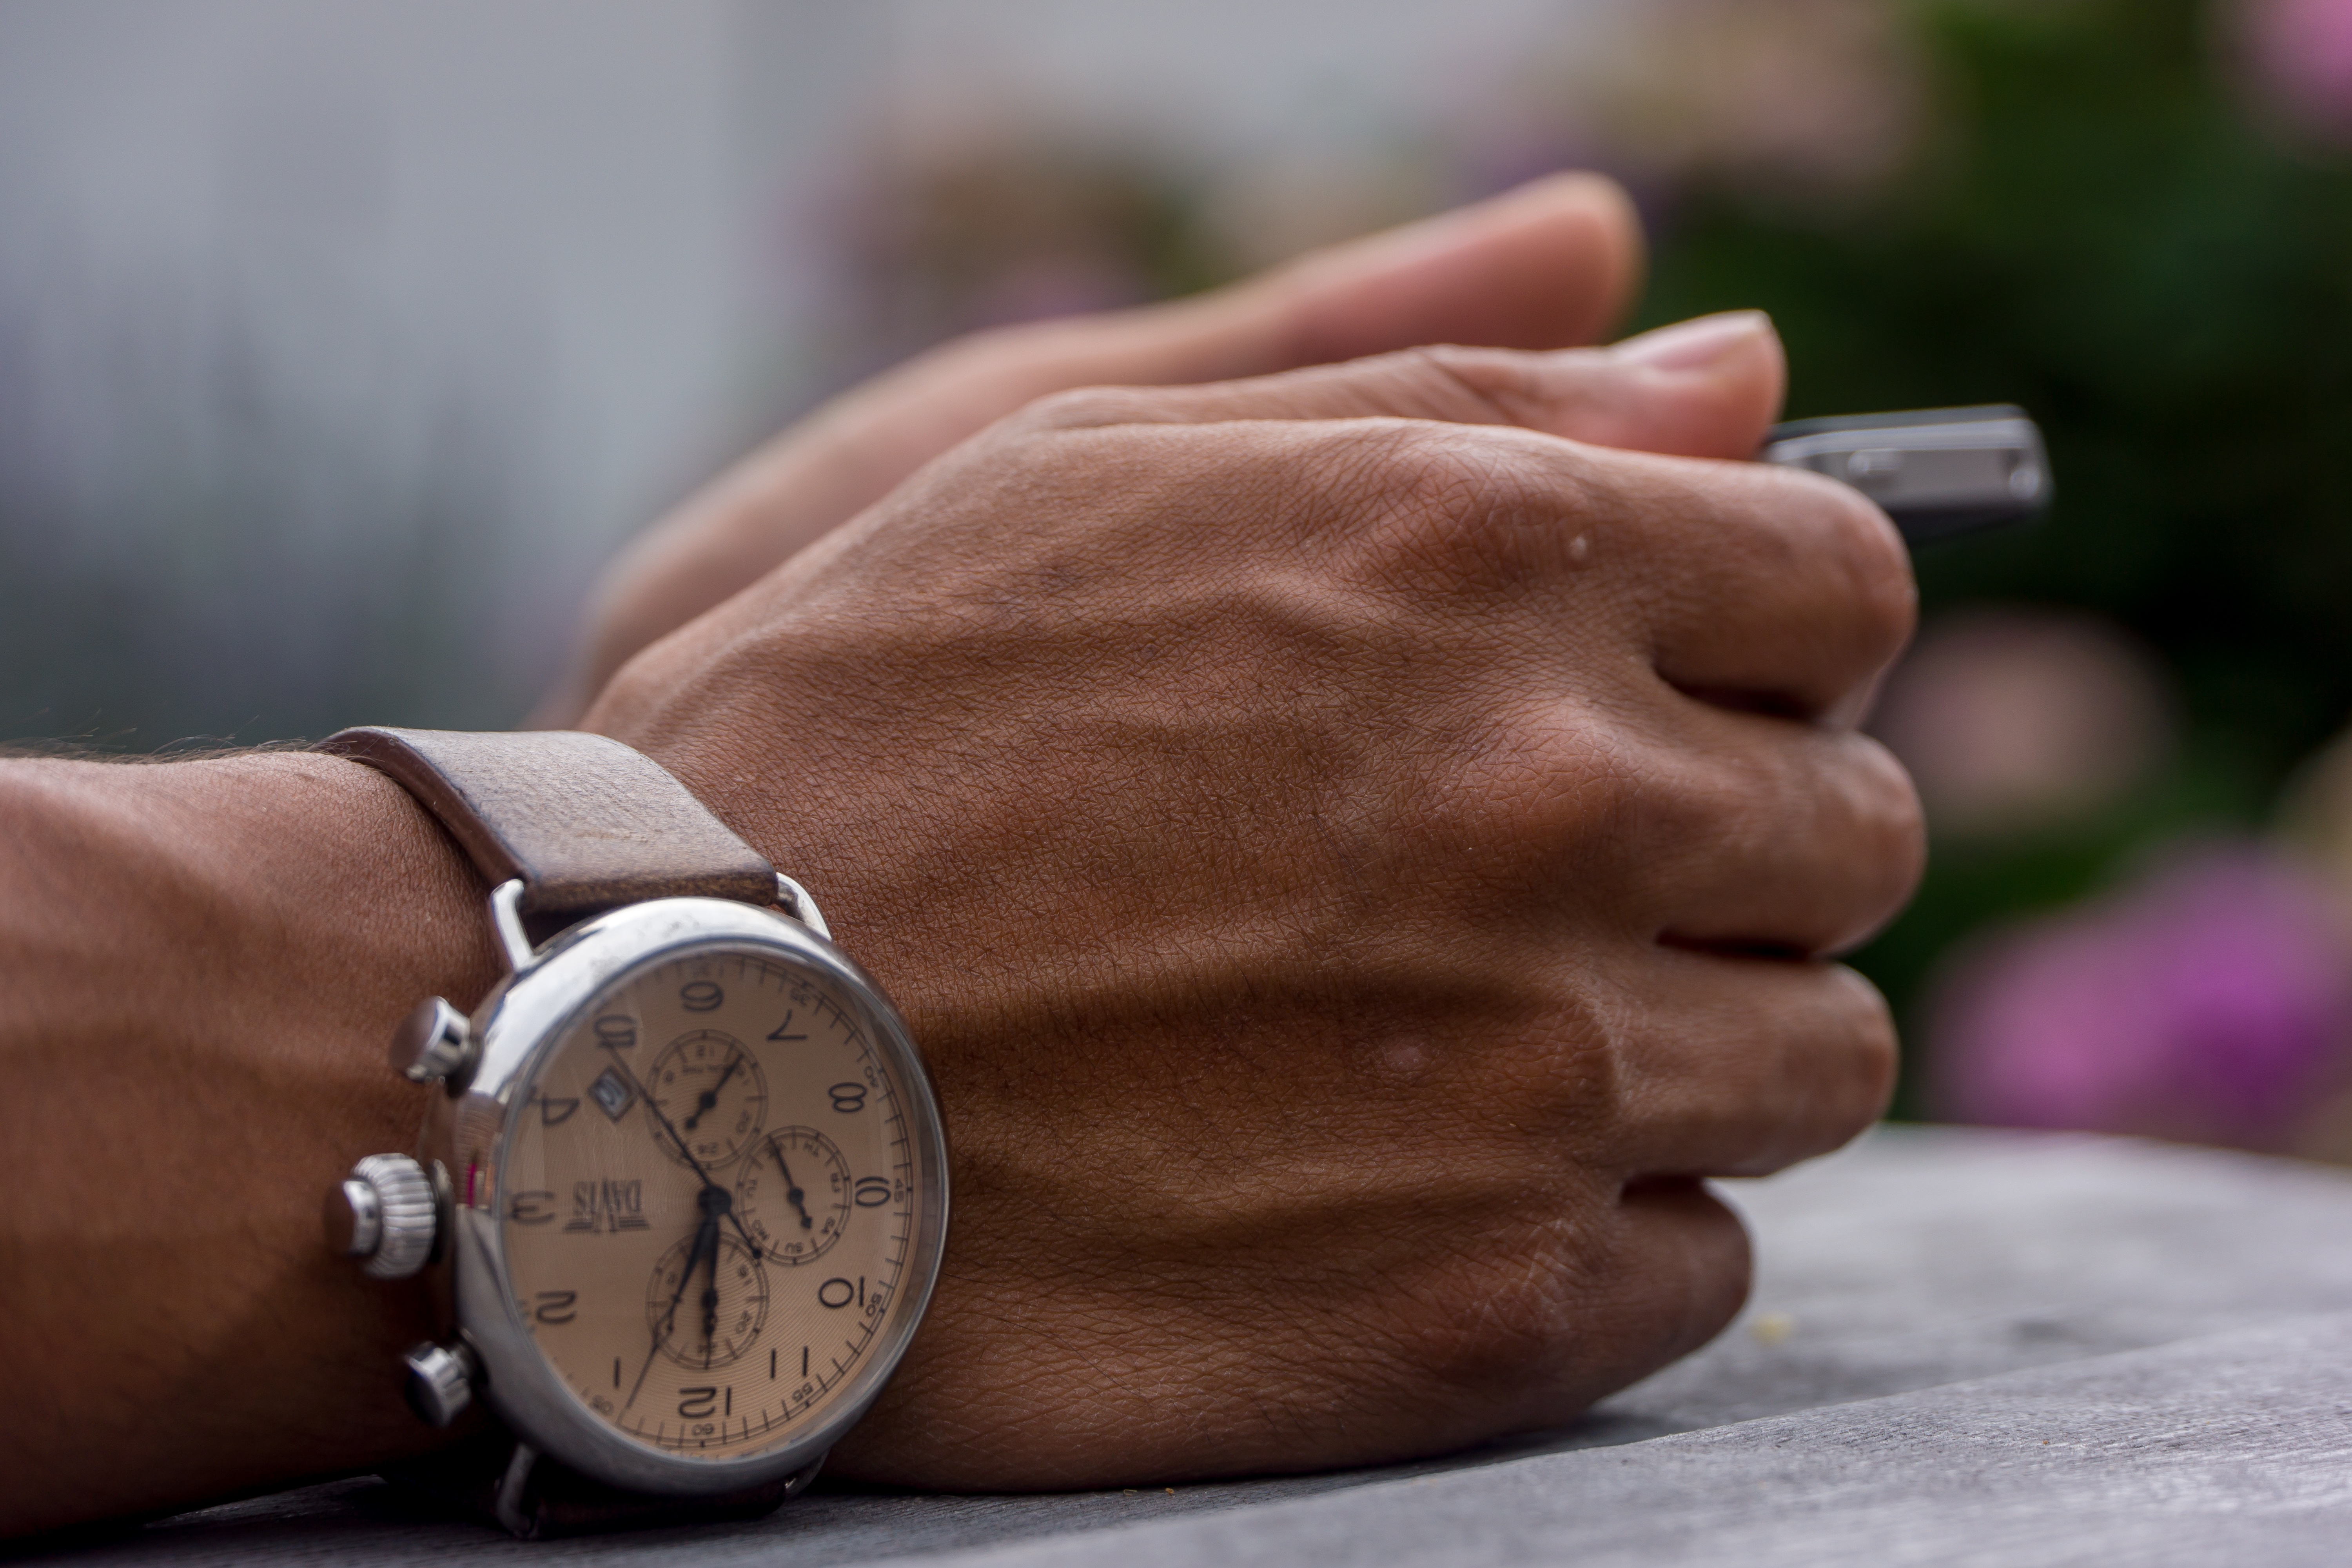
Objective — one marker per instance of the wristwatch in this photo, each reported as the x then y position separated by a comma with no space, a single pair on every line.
681,1193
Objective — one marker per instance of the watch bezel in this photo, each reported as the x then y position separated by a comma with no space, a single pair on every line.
523,1020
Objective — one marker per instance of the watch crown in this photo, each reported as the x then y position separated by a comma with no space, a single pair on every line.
383,1211
433,1044
441,1381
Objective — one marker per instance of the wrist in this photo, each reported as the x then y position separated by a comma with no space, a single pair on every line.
314,887
203,962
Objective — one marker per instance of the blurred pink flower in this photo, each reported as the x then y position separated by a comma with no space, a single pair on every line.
2300,54
2014,719
2210,1002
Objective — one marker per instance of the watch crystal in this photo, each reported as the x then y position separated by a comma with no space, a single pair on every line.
709,1263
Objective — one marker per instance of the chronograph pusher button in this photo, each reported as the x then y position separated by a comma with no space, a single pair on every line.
675,1302
441,1380
435,1044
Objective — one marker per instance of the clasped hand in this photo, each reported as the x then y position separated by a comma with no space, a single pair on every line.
1356,852
1358,846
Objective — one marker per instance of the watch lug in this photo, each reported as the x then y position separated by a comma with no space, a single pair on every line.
506,918
535,1497
796,903
800,1479
512,1501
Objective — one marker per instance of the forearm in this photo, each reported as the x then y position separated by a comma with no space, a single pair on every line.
199,966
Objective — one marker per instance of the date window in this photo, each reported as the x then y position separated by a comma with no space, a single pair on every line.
611,1093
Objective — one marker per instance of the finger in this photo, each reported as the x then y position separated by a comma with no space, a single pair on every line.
1765,835
1549,264
1743,583
1736,1066
1546,266
1531,1327
1758,586
1708,388
1552,263
1694,1257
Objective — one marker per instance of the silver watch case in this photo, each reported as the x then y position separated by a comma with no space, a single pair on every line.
464,1144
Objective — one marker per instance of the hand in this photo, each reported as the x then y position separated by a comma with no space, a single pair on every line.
709,1099
706,1241
1354,859
715,1199
793,1193
1544,266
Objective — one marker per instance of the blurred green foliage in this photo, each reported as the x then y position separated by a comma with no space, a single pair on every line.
2102,230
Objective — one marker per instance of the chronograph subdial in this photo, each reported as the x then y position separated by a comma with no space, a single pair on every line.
794,1195
706,1309
709,1088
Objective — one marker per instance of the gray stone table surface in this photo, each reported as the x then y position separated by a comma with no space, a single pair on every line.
1964,1347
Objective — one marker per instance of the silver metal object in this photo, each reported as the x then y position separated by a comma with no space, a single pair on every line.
506,918
524,1516
441,1381
1936,471
383,1212
354,1219
797,903
432,1044
513,1502
523,1021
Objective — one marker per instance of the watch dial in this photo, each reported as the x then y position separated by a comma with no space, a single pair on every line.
709,1200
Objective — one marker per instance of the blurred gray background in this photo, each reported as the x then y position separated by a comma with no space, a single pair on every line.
340,345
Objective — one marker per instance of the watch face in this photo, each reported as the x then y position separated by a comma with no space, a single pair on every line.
709,1200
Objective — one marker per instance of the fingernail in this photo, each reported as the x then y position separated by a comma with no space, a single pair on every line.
1697,344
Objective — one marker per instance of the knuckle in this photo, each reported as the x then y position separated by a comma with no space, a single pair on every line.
1839,832
1427,495
1716,806
1491,1317
1583,1058
1582,1294
1439,468
1562,779
1700,1270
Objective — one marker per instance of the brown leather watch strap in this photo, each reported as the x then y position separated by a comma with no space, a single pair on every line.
586,823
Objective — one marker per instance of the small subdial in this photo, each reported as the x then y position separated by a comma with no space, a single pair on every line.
706,1309
793,1195
710,1088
